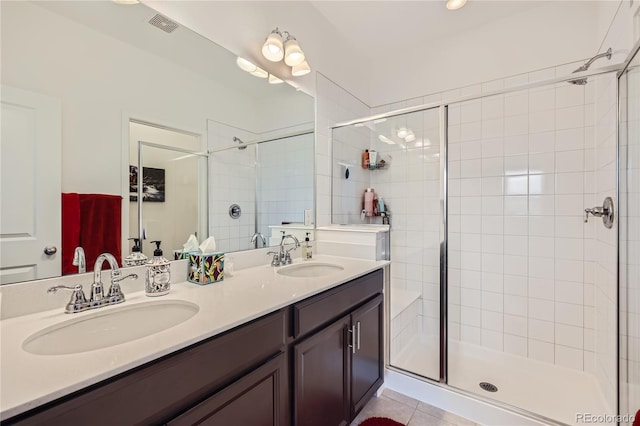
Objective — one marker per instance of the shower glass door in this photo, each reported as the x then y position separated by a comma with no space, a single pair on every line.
407,178
629,241
532,286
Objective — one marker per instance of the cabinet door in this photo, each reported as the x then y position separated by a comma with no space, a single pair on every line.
367,359
321,393
258,399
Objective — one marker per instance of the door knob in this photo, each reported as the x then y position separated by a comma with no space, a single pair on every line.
50,250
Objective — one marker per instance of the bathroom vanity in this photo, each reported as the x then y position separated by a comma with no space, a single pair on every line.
314,360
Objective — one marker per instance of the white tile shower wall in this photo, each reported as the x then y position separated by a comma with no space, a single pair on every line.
604,268
227,186
348,190
521,260
333,105
285,172
410,186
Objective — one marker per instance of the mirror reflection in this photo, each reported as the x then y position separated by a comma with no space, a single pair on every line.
271,183
74,85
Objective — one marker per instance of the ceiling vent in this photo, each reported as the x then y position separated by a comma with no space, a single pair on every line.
165,24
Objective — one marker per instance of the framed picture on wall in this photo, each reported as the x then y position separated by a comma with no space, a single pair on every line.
153,182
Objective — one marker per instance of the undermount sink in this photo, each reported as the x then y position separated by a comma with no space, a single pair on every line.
109,328
310,270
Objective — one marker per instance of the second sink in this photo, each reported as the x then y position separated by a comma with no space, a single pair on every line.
109,328
310,270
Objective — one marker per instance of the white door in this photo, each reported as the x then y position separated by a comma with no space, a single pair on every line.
30,186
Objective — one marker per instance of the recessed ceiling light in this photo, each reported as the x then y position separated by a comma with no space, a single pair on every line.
455,4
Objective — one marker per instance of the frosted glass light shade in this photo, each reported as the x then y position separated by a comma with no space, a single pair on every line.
293,54
403,132
272,49
274,80
455,4
245,65
259,72
300,70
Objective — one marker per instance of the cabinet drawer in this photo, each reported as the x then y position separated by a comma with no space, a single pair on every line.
328,306
157,391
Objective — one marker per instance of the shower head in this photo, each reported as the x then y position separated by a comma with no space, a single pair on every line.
586,65
242,146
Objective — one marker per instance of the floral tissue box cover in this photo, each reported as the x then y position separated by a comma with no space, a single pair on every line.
206,268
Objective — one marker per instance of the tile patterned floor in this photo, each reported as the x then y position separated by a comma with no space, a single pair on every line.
408,411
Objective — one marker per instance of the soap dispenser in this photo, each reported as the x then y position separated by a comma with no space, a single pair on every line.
158,275
307,250
136,257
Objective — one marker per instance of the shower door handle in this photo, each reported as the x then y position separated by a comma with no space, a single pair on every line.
606,212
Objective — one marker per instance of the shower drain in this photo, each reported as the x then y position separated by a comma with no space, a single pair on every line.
489,387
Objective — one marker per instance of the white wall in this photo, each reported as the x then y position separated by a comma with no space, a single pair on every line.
513,45
242,26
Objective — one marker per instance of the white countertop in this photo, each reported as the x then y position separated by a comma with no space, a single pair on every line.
28,380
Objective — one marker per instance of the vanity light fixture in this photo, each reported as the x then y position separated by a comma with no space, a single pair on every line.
251,68
301,69
282,45
455,4
386,140
274,80
273,49
402,132
410,136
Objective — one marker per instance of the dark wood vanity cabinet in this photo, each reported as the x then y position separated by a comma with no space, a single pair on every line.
339,367
316,362
260,398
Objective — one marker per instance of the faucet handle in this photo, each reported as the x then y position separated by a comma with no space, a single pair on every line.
276,258
78,301
115,294
117,279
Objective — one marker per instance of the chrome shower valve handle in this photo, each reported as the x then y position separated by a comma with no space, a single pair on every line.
606,212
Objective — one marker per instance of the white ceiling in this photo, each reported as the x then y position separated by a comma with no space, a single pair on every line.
376,26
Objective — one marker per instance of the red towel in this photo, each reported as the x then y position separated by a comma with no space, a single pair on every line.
100,226
636,421
70,231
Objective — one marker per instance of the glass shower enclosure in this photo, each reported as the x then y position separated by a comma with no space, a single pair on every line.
500,286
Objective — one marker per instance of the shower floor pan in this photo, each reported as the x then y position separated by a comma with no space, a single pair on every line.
545,389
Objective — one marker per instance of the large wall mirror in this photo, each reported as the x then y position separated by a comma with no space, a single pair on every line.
86,84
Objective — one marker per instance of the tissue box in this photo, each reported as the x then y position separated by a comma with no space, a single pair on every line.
181,254
206,268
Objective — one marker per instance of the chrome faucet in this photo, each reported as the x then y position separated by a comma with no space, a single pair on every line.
79,302
283,257
80,260
254,240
